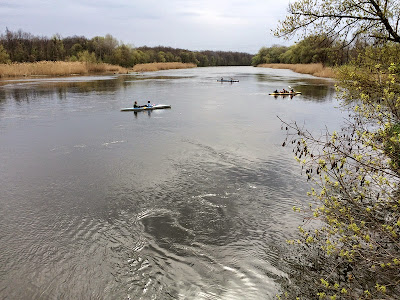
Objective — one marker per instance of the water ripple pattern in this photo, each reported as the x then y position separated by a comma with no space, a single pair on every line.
193,202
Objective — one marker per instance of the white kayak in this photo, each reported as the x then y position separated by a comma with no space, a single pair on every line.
158,106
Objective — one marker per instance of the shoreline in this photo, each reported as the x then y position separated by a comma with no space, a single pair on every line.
57,68
317,70
63,68
152,67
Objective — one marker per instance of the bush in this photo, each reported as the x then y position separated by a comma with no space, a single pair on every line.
350,245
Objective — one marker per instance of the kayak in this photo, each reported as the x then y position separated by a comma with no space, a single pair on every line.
288,93
225,80
158,106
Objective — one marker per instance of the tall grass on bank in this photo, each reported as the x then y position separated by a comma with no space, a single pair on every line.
313,69
151,67
56,68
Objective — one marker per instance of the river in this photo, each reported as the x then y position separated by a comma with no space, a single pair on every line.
192,202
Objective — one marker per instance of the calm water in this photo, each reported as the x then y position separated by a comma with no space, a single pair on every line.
192,202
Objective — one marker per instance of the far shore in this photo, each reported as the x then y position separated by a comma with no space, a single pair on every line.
313,69
57,68
151,67
64,68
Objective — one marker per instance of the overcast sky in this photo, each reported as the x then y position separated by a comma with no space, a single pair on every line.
227,25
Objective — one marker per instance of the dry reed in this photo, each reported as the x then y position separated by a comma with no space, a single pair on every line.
313,69
151,67
56,68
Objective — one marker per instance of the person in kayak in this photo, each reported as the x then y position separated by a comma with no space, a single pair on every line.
149,104
135,105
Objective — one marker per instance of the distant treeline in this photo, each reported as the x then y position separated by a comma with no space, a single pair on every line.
312,49
21,46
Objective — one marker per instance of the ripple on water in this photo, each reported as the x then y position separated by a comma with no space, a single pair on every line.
206,234
211,233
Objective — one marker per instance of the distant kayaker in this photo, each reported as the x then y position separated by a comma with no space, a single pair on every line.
149,104
276,92
135,105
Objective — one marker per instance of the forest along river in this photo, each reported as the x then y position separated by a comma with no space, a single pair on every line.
192,202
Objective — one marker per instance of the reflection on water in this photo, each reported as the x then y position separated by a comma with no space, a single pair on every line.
318,90
312,88
193,202
35,89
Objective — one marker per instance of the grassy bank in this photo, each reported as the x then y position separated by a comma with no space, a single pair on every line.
161,66
56,68
313,69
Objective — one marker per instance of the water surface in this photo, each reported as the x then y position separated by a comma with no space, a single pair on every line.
192,202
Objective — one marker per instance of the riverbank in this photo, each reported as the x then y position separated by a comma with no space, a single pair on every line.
151,67
57,68
313,69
